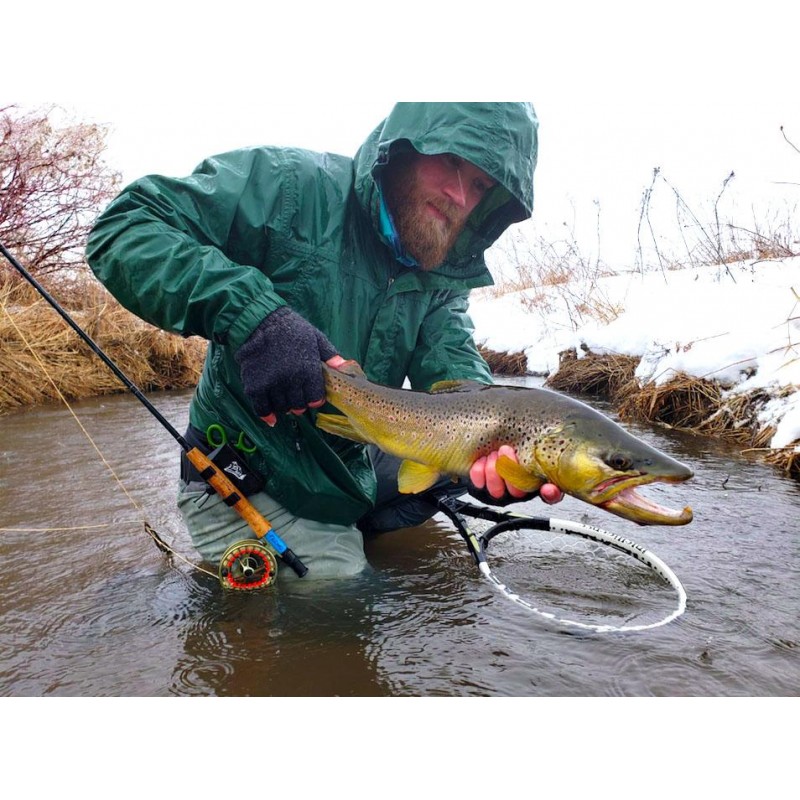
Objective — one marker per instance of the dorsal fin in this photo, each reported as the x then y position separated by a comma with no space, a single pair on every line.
456,386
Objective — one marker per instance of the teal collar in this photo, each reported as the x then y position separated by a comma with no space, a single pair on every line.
389,233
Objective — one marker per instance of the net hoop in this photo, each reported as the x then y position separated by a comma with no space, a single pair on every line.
594,534
456,510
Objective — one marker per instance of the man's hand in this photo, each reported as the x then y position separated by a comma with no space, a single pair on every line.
280,365
483,476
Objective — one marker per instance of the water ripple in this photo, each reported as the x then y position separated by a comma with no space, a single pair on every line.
102,612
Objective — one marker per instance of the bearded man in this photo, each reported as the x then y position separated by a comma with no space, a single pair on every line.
283,259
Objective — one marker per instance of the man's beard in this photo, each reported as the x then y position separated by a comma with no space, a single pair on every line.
425,237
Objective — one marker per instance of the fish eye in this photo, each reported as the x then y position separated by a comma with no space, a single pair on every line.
619,462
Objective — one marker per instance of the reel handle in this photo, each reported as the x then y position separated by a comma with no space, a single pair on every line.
294,562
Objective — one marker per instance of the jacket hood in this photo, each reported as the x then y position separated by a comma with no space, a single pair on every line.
499,138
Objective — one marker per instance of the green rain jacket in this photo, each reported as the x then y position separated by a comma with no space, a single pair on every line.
251,230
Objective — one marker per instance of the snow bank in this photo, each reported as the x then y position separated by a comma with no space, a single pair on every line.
738,325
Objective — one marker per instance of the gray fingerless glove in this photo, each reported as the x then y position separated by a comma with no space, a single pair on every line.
281,363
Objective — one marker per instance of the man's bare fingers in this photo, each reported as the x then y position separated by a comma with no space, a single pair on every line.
477,473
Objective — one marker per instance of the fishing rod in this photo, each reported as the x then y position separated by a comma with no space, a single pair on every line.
246,565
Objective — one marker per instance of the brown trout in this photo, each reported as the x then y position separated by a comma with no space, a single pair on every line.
557,440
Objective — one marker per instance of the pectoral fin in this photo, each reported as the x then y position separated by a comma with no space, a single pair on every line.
517,475
340,426
413,478
352,368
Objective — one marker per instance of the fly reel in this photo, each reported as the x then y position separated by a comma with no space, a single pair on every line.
246,566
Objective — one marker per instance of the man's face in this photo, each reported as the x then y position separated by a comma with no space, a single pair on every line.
430,199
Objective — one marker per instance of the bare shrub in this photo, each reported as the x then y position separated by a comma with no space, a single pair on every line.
555,277
707,235
53,183
769,239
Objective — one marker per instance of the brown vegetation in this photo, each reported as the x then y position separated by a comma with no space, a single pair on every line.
554,276
707,237
511,364
53,183
599,376
683,402
40,355
787,459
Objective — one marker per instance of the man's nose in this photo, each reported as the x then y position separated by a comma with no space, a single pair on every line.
454,189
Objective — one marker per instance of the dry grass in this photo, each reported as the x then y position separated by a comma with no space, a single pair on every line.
787,459
600,376
684,402
509,364
38,349
554,277
737,419
705,234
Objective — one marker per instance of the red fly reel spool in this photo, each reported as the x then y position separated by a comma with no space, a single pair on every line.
246,566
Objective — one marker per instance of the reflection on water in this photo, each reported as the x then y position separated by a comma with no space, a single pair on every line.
91,607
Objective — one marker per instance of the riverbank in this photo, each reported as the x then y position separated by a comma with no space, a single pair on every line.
714,350
687,403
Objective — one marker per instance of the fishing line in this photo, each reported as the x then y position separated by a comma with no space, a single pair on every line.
149,529
64,400
596,572
61,529
239,570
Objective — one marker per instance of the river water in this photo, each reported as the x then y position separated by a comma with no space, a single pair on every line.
90,607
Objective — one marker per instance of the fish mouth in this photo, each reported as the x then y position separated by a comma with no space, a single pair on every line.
619,496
